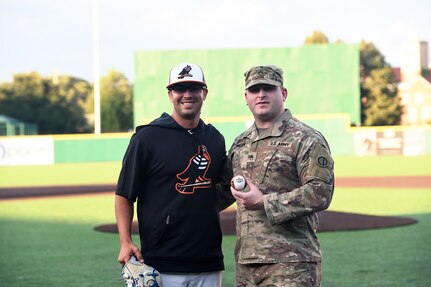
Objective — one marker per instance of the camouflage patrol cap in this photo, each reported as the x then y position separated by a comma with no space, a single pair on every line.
266,74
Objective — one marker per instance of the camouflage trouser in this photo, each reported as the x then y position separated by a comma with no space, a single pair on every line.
295,274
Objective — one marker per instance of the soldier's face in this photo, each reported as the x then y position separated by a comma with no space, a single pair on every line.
187,100
266,102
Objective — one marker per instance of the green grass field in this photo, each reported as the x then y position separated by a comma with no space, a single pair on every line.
51,241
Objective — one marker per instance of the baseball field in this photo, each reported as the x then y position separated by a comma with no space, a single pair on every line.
51,240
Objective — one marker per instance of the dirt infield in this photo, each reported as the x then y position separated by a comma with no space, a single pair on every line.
329,220
38,191
390,181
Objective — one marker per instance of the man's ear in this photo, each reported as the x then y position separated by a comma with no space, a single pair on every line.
285,93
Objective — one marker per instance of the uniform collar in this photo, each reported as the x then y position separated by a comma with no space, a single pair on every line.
275,131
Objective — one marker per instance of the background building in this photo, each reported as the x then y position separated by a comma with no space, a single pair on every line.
415,87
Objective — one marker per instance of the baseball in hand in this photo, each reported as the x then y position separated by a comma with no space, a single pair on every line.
238,182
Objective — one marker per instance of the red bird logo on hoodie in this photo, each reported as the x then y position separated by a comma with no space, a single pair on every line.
194,175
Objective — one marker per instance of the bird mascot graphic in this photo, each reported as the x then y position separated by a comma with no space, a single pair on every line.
194,175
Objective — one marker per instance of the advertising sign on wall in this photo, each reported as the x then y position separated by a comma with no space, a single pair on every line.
365,143
389,142
27,151
408,141
414,141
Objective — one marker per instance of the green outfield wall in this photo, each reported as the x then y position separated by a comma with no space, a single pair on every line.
343,140
321,79
90,149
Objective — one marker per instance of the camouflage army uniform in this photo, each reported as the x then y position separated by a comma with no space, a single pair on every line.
292,166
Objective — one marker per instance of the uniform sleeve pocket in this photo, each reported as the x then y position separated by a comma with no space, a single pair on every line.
321,164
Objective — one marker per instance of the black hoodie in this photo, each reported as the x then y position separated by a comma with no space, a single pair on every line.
177,174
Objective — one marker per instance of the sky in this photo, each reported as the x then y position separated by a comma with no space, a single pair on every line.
56,36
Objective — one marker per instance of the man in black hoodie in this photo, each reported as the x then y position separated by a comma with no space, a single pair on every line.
176,168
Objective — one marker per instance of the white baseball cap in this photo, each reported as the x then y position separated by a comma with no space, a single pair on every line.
186,73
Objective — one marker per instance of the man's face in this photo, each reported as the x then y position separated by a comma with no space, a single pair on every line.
266,102
187,99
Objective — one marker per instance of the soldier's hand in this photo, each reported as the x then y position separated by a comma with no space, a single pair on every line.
251,199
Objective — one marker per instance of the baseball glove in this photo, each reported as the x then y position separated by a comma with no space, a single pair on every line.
137,274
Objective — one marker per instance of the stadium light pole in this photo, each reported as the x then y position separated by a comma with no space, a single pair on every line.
96,72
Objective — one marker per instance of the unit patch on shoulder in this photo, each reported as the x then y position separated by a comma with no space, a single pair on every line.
322,161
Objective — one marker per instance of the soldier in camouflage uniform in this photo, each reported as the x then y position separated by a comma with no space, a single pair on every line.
289,173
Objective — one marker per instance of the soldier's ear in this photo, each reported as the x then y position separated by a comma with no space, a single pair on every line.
284,93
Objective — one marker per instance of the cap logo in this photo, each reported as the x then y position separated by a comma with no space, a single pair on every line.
185,72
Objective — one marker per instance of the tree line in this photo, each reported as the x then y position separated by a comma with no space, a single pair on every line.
64,104
380,104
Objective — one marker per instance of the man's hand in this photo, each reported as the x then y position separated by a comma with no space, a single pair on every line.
127,250
252,199
124,216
